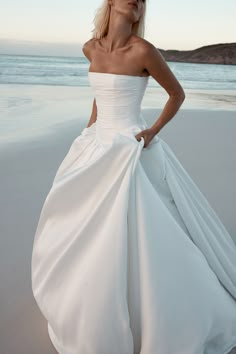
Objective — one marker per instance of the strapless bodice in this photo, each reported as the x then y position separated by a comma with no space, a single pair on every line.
118,100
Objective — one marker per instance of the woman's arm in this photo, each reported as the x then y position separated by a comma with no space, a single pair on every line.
157,67
87,49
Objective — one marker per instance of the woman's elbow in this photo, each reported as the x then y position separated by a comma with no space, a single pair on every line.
180,95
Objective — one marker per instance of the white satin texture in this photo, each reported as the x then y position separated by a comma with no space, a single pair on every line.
128,255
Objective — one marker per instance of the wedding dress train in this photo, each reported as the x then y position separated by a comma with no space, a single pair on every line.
129,257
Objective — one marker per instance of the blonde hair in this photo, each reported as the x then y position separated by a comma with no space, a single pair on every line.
102,17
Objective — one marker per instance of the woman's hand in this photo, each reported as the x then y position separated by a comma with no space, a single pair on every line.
147,134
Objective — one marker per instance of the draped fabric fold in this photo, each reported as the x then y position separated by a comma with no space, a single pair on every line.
206,229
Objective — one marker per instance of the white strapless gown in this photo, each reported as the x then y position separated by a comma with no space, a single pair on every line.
128,256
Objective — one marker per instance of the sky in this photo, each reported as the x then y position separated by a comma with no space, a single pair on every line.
170,24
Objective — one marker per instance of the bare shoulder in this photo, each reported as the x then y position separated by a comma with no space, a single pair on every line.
146,48
155,64
146,52
88,48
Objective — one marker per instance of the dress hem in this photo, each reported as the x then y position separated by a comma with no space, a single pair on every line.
62,351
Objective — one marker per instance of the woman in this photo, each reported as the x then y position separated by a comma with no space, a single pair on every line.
119,50
129,257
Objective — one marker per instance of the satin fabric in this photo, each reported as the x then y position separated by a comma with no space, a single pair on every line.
129,257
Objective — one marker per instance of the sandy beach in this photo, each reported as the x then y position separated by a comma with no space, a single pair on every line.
32,111
203,140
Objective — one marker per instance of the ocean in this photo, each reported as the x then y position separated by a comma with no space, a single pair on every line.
72,71
40,94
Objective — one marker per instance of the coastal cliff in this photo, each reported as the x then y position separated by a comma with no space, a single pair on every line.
224,53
